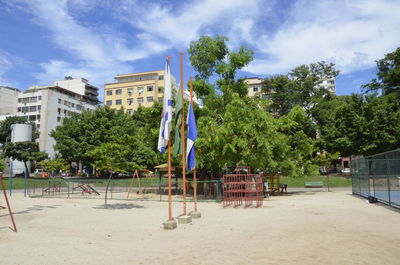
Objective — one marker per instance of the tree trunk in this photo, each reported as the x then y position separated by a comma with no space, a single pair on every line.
108,184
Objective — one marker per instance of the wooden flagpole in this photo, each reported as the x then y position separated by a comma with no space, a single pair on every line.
183,136
194,170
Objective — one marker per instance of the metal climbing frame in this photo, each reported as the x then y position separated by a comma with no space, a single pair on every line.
239,189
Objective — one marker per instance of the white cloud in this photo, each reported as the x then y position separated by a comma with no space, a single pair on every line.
352,34
7,62
164,27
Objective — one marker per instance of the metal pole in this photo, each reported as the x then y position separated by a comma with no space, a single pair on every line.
194,170
11,175
183,137
8,204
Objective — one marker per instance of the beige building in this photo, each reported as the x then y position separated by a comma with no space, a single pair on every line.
254,86
132,91
8,100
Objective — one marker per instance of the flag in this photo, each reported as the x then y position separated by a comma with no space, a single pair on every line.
165,125
191,138
178,124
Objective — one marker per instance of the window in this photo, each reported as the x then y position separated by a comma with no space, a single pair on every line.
78,107
38,126
33,99
160,77
40,98
109,92
118,92
32,117
39,108
58,119
19,109
65,102
25,100
25,109
149,99
160,100
109,102
65,112
332,82
20,100
140,90
59,101
160,89
129,101
130,90
73,105
149,88
130,111
32,108
118,102
255,89
140,100
59,111
38,117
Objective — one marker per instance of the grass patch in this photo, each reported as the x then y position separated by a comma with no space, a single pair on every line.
334,181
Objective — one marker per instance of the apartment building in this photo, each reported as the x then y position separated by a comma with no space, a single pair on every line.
8,100
132,91
48,106
329,84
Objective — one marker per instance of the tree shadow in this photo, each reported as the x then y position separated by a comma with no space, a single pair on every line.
118,206
34,208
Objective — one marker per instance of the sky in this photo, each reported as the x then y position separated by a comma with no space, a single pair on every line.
42,41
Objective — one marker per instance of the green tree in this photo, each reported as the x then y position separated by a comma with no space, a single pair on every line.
55,165
25,152
388,75
84,132
234,129
5,128
301,86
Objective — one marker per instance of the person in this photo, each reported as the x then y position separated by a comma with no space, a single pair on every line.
283,187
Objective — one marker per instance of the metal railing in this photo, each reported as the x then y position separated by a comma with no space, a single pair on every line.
154,189
378,176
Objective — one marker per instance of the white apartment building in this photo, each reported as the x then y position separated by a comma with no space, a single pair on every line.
329,84
48,106
80,86
8,100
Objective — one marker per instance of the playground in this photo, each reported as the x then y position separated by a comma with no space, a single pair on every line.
302,226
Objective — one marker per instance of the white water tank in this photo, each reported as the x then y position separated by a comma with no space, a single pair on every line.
20,133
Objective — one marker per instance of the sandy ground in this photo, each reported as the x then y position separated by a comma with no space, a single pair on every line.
302,227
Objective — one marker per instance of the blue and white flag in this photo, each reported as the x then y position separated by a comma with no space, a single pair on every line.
165,125
191,138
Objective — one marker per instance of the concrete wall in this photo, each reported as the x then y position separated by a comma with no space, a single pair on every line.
8,100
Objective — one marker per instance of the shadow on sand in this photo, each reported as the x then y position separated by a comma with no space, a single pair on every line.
34,208
118,206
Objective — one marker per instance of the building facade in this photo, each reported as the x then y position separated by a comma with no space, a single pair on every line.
8,100
329,84
254,87
48,106
132,91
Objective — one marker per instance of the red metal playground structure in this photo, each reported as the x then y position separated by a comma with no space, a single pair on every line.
242,188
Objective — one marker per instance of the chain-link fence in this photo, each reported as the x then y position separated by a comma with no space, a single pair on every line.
123,189
378,176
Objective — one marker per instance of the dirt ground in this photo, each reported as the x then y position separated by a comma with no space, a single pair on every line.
301,227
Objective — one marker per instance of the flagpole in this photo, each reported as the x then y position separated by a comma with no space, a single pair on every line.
194,169
169,168
183,136
169,182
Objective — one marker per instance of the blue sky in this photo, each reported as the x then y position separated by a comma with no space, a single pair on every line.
43,41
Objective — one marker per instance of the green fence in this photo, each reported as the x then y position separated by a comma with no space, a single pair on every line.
378,176
155,189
